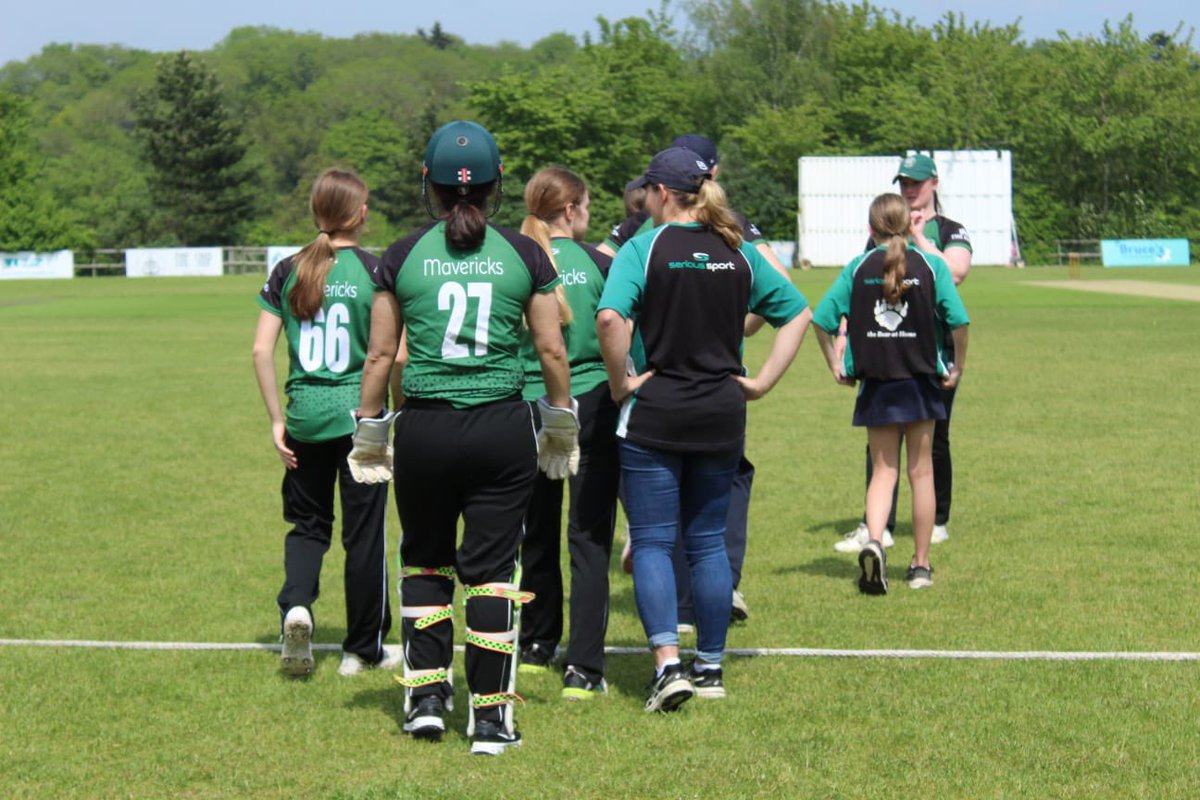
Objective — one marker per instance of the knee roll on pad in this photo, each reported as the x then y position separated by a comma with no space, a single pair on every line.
420,586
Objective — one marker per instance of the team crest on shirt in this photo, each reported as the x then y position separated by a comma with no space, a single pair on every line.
890,316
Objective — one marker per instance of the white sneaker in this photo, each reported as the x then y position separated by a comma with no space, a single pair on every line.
685,629
853,541
352,665
739,610
940,534
296,657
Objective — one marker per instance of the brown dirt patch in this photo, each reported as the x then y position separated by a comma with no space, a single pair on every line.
1166,291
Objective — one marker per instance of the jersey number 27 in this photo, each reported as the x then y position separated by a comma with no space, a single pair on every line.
453,297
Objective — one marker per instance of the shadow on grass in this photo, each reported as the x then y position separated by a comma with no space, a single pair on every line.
835,567
836,528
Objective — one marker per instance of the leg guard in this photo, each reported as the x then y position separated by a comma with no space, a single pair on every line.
491,638
427,626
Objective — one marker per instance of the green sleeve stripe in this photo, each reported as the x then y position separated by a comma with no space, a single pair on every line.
268,307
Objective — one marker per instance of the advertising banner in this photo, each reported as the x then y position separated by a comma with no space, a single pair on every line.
59,264
150,262
1145,253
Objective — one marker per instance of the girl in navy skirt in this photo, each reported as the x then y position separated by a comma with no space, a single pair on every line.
896,300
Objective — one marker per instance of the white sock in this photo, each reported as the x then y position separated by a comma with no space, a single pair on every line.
658,671
704,666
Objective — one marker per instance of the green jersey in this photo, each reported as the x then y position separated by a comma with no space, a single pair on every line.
325,353
583,270
463,311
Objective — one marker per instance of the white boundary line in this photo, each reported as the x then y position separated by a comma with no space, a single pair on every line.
801,652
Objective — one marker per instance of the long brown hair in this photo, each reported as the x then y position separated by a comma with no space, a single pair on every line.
547,196
466,219
711,208
336,202
890,221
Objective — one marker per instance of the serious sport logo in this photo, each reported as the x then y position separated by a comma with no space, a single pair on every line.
464,175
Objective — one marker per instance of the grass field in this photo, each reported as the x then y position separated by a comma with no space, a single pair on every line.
139,501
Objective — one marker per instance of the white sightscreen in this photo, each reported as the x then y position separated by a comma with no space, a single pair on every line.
974,186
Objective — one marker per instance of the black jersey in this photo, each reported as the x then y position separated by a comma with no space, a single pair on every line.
893,341
689,292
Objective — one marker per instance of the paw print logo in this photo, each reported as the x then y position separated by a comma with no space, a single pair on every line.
890,316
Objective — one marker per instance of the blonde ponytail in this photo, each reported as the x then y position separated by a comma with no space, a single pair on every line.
710,207
890,221
895,266
336,201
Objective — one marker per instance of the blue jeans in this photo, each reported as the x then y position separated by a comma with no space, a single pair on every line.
666,493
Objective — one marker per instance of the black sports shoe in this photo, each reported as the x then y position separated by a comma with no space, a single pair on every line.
873,563
919,577
707,683
490,738
426,719
534,659
578,686
670,690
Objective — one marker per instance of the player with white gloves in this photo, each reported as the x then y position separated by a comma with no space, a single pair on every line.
465,444
321,299
557,201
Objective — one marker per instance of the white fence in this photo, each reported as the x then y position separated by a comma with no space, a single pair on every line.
974,188
146,262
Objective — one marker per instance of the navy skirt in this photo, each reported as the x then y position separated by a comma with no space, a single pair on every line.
898,402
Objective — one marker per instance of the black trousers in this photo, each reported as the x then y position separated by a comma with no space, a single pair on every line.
737,532
943,469
591,518
308,506
476,464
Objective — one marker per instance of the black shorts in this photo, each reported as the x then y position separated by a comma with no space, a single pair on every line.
898,402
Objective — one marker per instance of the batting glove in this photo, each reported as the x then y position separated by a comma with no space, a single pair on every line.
371,457
558,440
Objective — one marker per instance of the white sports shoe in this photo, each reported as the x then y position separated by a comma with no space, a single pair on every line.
853,541
296,658
352,665
940,534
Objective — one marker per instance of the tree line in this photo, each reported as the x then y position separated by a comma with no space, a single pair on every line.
104,146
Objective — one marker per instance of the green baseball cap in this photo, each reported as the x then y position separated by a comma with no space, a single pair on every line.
462,153
917,167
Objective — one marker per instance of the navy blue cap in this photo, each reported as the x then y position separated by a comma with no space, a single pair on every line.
676,168
700,145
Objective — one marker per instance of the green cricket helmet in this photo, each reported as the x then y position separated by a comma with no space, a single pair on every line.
462,154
